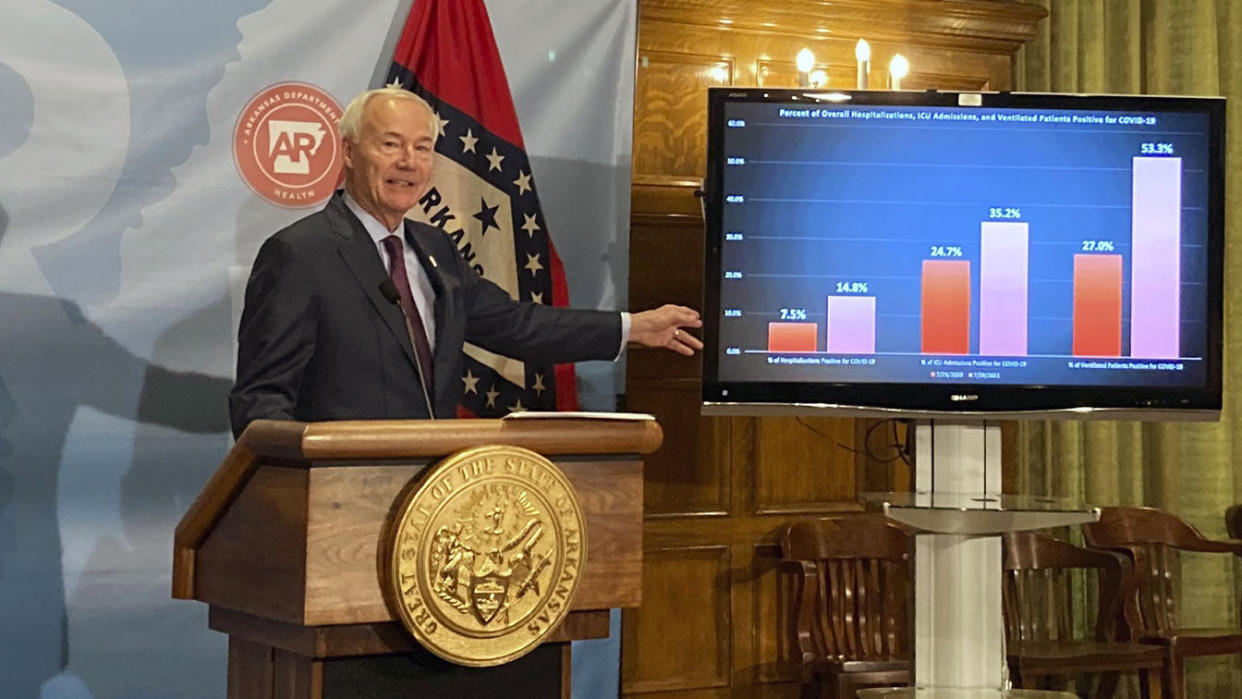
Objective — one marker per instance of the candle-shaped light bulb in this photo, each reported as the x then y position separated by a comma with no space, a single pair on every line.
862,53
818,78
898,68
805,61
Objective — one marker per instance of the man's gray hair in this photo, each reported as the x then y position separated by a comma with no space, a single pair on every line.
351,120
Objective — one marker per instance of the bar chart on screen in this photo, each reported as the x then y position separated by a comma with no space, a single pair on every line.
1056,244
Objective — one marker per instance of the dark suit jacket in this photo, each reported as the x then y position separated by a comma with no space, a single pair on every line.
318,341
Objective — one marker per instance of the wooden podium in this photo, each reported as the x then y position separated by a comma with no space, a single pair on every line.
284,544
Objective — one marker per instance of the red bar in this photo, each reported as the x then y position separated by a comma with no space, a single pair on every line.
1097,305
792,337
946,307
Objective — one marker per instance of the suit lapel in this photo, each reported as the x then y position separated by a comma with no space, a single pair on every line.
431,267
358,252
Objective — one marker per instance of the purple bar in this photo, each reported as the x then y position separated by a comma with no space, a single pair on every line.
851,325
1003,277
1155,259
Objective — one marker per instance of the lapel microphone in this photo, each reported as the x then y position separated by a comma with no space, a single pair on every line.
388,290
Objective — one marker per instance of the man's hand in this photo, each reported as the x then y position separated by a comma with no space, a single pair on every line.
663,327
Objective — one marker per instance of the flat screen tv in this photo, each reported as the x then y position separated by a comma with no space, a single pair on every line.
963,254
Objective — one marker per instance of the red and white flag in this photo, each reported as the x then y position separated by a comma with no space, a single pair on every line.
482,192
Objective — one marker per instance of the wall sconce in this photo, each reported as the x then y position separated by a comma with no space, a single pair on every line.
898,68
862,54
805,60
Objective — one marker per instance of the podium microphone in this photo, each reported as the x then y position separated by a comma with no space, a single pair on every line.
389,291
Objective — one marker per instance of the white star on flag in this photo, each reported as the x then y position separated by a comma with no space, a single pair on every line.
539,387
493,160
532,263
471,382
396,82
529,224
440,124
536,297
467,142
517,407
491,397
522,182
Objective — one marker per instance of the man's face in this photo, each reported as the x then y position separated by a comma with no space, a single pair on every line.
389,167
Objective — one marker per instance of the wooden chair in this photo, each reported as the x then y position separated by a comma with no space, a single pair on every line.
1039,615
1153,540
851,603
1233,522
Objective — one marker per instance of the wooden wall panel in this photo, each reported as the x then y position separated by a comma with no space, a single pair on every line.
883,441
970,27
689,475
670,134
804,465
924,80
672,257
784,73
720,491
932,70
681,638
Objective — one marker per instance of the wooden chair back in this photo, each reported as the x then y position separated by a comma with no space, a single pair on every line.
1233,522
1040,596
1154,541
853,596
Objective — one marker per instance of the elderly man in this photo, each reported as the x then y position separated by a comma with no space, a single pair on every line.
355,312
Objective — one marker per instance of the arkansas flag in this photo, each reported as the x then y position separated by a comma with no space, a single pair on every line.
482,194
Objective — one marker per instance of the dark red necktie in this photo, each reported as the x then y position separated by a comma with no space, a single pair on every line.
396,270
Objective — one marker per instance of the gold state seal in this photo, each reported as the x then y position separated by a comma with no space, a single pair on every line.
485,555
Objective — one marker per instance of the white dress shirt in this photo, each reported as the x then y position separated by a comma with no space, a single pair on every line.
420,284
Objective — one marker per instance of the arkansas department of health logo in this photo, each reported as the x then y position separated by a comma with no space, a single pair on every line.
287,144
485,555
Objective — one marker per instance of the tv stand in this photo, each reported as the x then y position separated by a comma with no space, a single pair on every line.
959,513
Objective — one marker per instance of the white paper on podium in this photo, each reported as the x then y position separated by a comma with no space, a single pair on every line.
577,415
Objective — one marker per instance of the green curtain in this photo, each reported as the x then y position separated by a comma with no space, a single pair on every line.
1158,47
